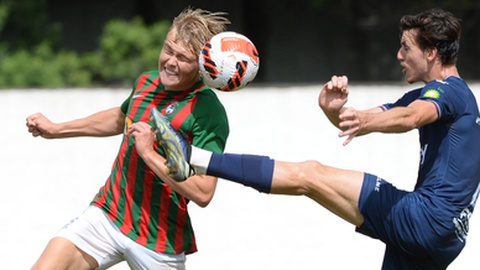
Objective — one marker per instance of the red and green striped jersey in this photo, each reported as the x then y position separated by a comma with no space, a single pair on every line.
142,206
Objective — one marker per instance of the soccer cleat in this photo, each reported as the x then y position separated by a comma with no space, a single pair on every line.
176,147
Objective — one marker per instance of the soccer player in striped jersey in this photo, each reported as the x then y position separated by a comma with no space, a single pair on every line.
423,229
140,215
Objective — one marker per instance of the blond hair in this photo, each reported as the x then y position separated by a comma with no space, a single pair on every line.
195,26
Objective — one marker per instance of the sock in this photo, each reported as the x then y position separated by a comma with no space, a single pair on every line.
250,170
199,160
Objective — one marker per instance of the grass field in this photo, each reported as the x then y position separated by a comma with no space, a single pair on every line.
45,183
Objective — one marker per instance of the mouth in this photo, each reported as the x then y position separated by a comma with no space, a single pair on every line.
170,72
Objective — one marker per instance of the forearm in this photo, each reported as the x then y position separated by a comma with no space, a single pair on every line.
396,120
104,123
334,116
337,117
198,188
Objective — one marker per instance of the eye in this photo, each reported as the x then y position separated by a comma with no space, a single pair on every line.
182,58
168,51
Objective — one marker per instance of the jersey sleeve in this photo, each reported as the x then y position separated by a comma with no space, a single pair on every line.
126,102
211,128
445,97
405,100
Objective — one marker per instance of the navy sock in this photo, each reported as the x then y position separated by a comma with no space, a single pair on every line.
250,170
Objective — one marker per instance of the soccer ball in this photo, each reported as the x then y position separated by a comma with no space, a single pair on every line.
229,61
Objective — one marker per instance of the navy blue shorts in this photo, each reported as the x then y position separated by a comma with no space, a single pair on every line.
404,222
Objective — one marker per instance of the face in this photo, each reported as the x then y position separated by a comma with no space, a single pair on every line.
178,66
414,60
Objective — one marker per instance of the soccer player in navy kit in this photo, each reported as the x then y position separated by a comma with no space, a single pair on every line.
423,229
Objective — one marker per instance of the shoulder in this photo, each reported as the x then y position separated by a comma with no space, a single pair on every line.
208,98
147,78
450,95
452,90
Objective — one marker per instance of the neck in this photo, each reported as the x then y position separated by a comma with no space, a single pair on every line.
448,71
442,72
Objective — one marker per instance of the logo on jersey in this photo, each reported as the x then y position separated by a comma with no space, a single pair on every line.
170,108
423,153
378,184
432,93
138,96
461,223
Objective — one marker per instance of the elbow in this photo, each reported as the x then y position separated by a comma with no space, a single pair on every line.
411,123
204,200
202,204
206,189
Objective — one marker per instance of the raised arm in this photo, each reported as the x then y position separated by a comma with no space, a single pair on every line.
104,123
333,97
332,100
352,122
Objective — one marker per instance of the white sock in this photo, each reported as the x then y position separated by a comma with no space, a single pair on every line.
200,159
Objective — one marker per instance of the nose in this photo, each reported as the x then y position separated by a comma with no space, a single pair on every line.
171,60
399,55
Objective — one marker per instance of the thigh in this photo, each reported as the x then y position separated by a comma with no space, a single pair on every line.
61,253
94,235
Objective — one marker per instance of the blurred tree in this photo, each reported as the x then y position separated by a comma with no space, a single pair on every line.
26,24
127,48
298,40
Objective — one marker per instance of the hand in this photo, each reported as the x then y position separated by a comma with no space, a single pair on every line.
144,138
334,94
350,123
39,125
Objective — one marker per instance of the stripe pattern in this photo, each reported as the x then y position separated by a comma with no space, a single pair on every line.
142,206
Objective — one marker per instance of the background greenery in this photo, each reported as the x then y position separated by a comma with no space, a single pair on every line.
36,59
56,43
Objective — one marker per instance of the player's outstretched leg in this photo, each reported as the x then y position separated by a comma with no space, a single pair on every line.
250,170
177,149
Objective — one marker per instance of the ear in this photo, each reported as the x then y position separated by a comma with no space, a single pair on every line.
431,53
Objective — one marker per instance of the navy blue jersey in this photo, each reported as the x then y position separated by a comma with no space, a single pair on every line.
449,170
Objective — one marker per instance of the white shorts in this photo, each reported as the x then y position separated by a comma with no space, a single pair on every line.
94,233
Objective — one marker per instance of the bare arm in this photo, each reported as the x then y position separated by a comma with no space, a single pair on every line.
104,123
198,188
333,97
396,120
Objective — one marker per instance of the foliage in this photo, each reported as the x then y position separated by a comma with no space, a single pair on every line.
3,15
27,24
344,36
126,49
42,67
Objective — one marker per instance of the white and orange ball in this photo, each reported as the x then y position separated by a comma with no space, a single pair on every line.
229,61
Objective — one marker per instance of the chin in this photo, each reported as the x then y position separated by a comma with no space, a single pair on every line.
168,82
410,80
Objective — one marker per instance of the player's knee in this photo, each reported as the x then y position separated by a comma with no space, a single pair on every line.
309,171
313,167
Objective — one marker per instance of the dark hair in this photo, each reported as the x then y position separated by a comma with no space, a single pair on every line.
436,29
